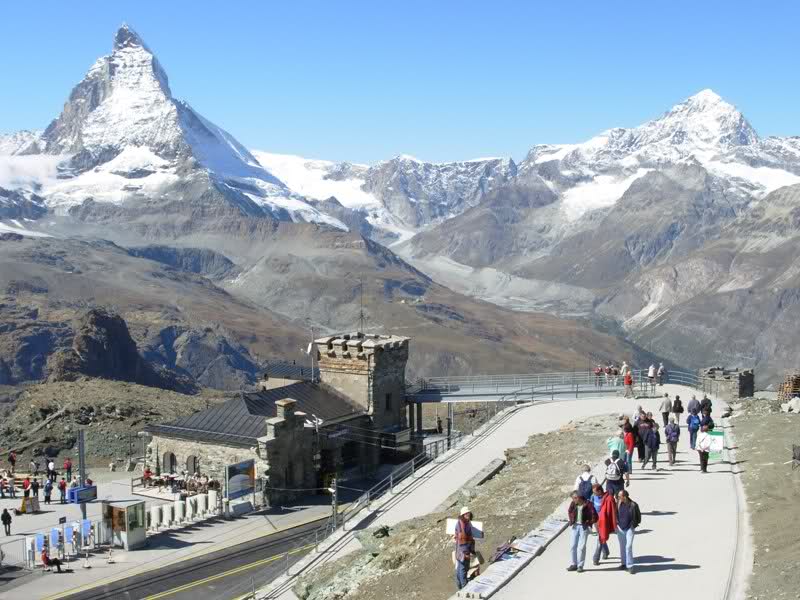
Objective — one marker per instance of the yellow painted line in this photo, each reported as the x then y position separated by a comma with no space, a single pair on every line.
252,565
148,567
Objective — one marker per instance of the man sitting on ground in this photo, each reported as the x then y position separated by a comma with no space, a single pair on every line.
49,563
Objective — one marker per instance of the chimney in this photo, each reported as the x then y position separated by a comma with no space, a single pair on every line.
285,408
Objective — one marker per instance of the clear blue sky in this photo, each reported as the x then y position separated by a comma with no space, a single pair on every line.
441,80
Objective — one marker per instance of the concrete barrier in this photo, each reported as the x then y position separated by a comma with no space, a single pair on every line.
179,511
155,516
166,515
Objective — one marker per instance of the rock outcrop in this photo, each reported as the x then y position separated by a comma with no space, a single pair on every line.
103,348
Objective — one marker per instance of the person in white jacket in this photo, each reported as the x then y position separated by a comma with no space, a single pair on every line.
651,376
703,446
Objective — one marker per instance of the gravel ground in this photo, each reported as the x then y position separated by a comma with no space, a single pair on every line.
764,437
413,559
44,418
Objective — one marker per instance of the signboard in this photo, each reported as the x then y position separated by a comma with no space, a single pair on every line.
86,494
62,520
717,445
241,479
477,528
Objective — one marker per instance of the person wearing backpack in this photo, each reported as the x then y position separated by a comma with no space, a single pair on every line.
693,425
677,408
673,433
585,482
706,420
616,475
629,517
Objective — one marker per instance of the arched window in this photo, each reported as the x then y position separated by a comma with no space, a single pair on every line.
170,463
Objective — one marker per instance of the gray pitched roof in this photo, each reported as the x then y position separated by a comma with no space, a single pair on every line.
241,420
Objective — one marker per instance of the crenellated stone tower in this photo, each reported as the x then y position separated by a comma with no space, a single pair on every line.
369,369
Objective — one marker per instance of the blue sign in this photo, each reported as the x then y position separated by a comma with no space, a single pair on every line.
80,495
69,535
55,533
86,529
39,542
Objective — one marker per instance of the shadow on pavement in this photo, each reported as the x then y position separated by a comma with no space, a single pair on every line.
659,513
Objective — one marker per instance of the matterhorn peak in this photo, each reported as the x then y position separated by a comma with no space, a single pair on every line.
126,37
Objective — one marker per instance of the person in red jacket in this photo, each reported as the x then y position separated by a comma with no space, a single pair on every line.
630,444
628,382
606,508
50,562
62,490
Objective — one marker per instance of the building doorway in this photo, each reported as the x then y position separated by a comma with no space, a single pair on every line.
170,463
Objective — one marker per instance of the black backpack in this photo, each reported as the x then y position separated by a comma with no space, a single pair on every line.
585,488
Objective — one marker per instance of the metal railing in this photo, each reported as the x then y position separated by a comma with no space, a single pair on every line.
528,387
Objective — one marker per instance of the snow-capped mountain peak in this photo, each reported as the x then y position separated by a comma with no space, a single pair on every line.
702,122
126,138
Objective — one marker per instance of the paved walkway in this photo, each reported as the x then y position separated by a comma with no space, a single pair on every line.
683,549
426,492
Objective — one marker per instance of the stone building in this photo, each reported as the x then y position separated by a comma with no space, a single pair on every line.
729,384
348,419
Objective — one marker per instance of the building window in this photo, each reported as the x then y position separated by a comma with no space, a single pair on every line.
388,402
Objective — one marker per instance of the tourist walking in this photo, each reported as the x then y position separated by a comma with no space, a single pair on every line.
581,516
48,490
34,467
693,405
628,519
68,467
705,419
651,445
606,508
12,460
51,469
615,375
627,381
704,448
651,376
661,374
693,425
677,408
616,442
616,475
672,432
35,488
6,519
642,428
705,404
62,490
666,408
585,482
465,546
630,444
26,487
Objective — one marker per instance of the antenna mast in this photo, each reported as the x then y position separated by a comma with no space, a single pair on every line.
361,310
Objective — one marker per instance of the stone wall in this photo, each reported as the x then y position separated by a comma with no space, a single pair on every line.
728,384
290,450
212,457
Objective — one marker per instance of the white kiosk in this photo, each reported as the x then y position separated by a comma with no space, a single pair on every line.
126,521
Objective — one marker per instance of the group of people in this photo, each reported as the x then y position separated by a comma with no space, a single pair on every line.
194,483
611,510
610,375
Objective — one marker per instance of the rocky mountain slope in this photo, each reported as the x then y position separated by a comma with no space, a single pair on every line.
180,321
734,299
